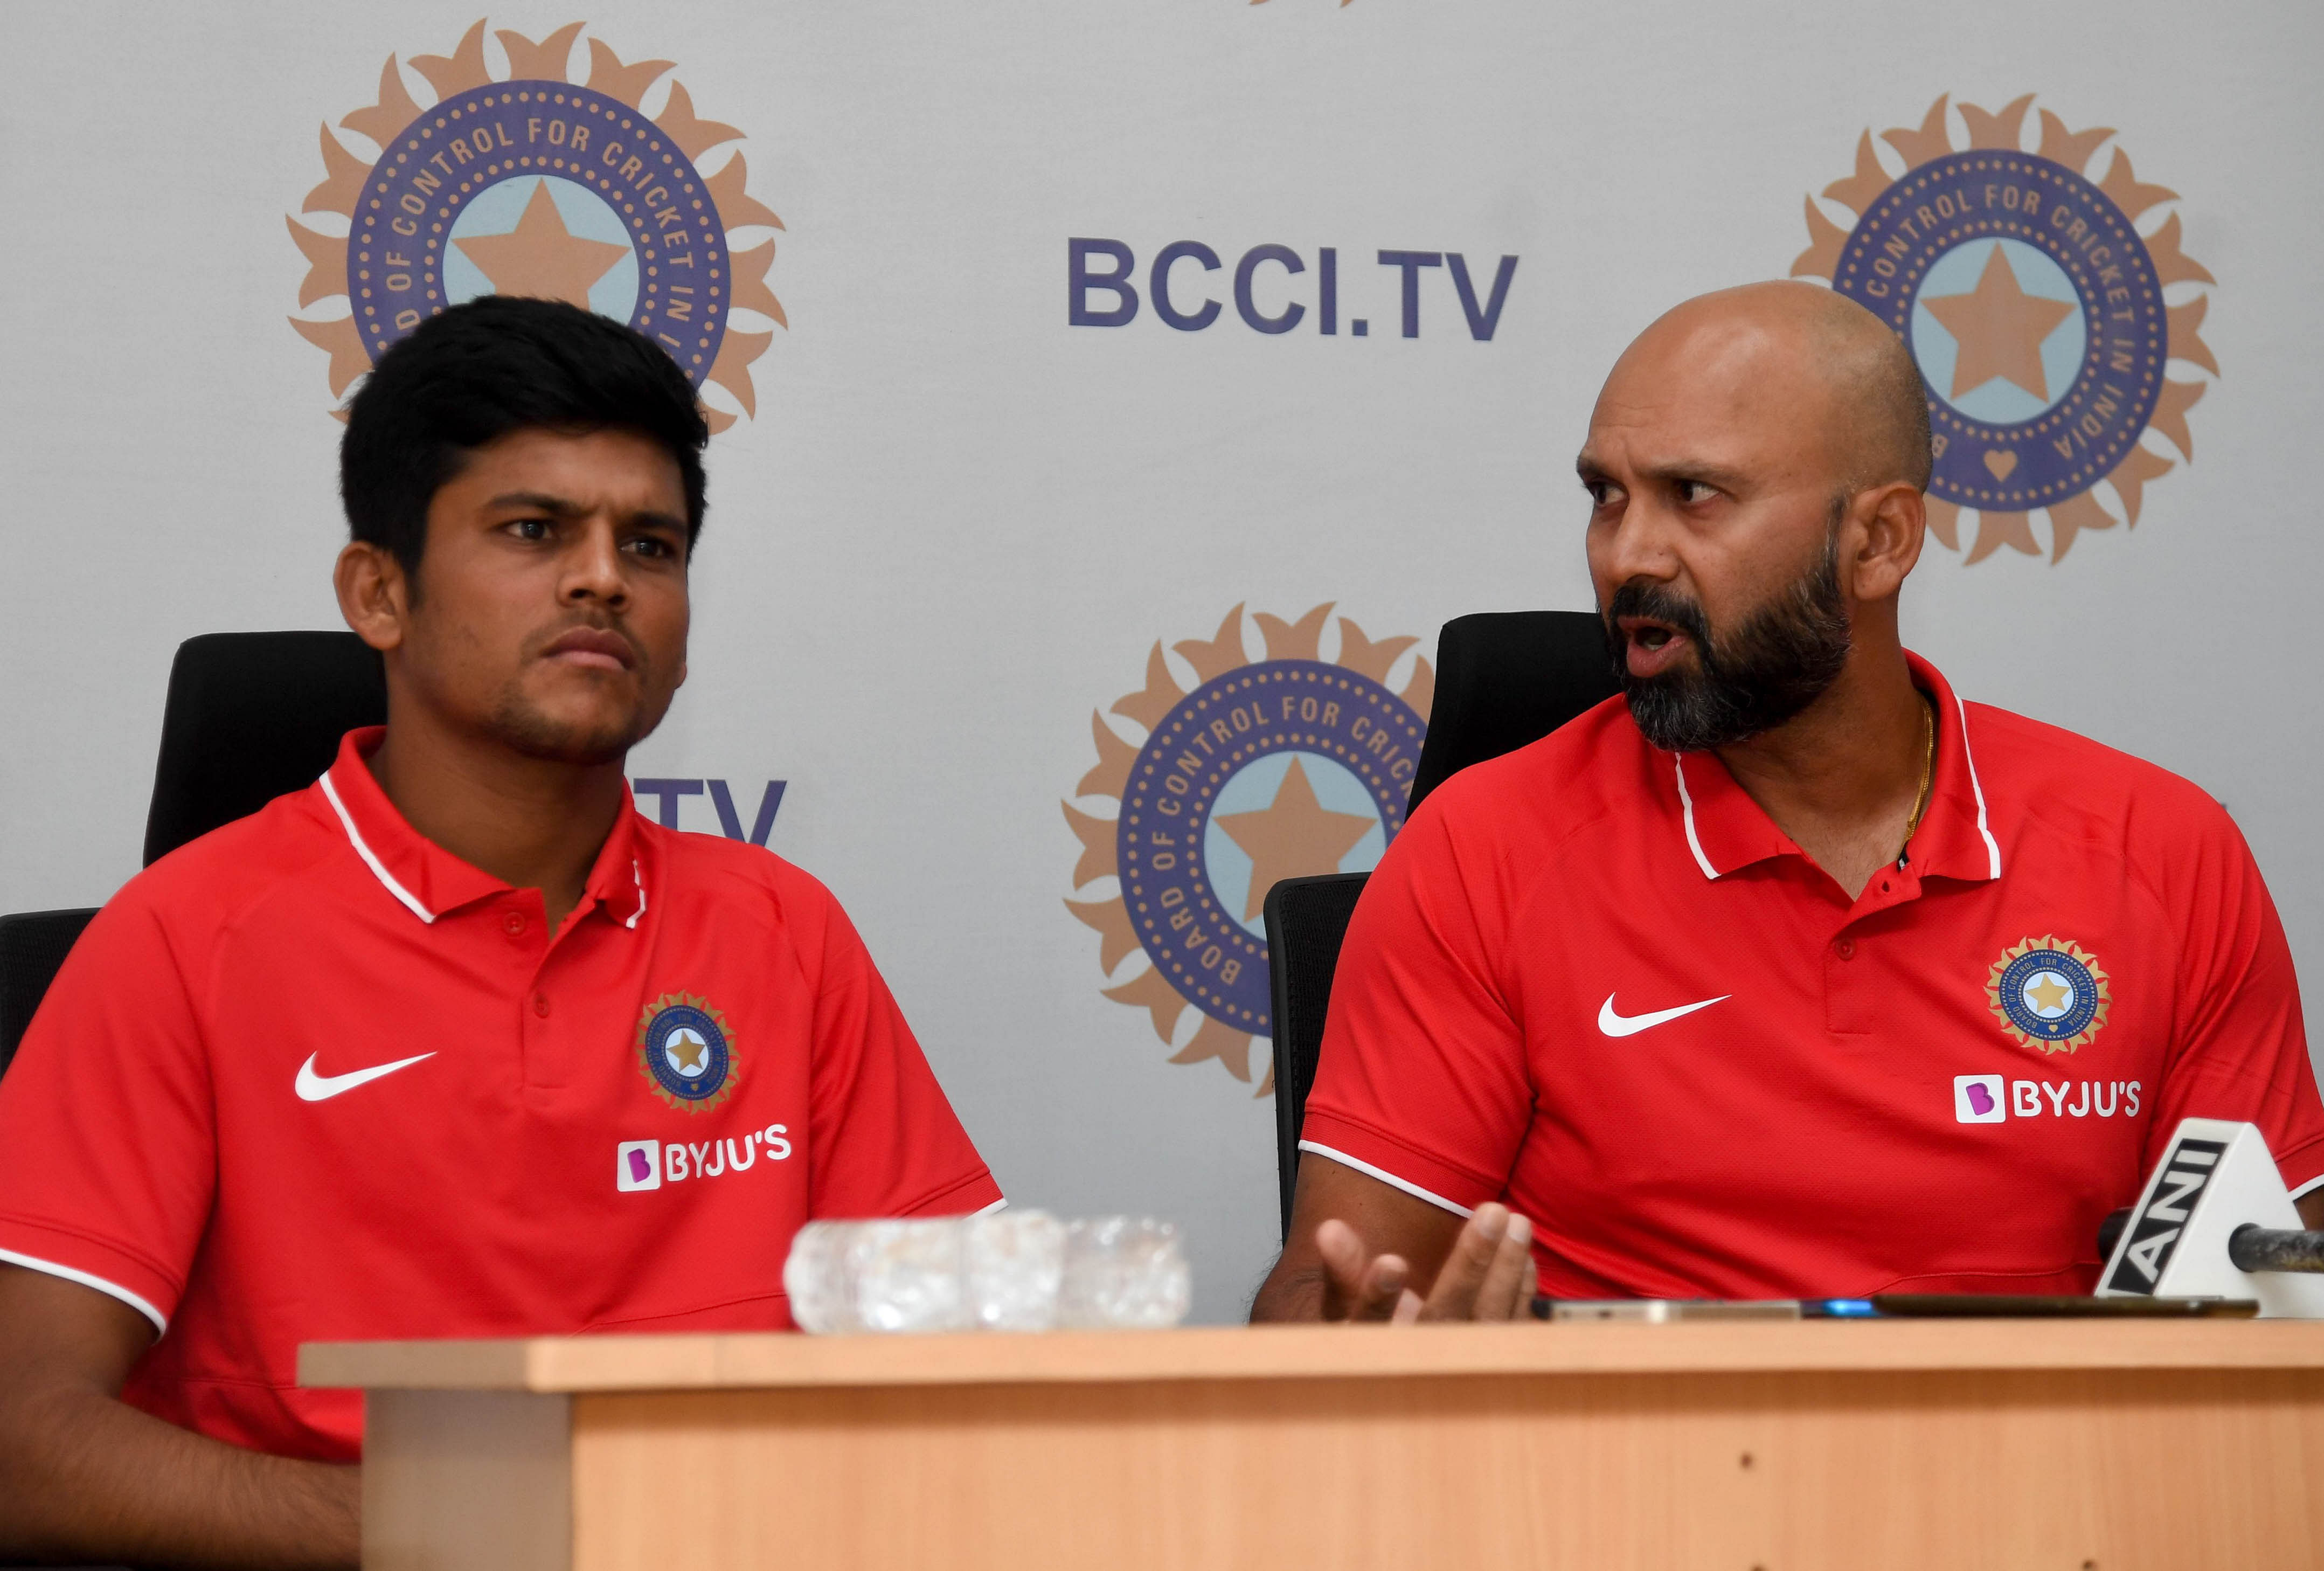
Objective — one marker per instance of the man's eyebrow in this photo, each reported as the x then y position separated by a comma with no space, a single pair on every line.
538,502
1676,469
565,507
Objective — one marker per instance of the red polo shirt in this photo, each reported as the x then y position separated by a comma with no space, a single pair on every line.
313,1078
1593,980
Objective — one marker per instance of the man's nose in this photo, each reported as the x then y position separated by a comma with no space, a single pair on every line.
594,566
1636,544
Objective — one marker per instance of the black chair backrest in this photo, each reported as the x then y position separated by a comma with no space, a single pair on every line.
32,946
250,716
1307,918
1505,679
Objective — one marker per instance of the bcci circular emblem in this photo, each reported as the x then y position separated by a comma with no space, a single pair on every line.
687,1052
1263,770
2035,308
2049,993
536,185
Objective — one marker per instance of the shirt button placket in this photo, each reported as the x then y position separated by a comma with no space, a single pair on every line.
1847,1009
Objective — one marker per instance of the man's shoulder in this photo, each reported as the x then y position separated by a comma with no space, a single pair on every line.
2073,785
1548,791
2041,760
735,875
213,879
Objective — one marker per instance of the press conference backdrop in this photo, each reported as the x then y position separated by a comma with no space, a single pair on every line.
1098,348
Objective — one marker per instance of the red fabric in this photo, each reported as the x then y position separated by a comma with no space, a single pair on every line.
1802,1136
157,1143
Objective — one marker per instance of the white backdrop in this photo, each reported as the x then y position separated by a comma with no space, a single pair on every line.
957,524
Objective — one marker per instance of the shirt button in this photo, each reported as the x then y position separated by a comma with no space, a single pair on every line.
513,922
541,1004
1844,948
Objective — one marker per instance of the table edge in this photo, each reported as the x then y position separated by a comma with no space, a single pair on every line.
697,1360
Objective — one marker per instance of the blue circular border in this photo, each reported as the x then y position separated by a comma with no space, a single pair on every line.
2072,1024
1959,199
1159,848
415,192
658,1032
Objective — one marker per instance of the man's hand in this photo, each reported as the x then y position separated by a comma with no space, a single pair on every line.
1488,1276
1362,1250
84,1477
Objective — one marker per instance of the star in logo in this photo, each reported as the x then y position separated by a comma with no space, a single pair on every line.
540,257
2048,994
689,1054
1293,837
1999,329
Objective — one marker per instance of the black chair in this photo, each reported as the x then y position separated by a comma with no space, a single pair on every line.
32,946
1307,918
1504,678
249,716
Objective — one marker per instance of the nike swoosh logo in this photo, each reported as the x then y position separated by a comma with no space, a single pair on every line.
1630,1025
314,1087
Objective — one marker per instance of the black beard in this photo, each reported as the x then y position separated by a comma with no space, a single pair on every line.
1785,657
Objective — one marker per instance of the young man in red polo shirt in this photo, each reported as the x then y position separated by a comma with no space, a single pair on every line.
1787,974
454,1043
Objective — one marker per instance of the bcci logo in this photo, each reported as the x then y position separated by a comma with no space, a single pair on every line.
687,1052
534,184
2048,992
1260,771
2040,309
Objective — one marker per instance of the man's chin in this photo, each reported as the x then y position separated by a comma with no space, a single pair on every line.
1679,712
581,750
582,741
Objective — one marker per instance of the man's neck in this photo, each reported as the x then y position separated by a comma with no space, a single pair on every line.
1843,777
533,823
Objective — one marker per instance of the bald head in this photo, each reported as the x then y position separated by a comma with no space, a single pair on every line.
1755,465
1810,351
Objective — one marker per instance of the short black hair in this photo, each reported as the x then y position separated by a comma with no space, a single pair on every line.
495,365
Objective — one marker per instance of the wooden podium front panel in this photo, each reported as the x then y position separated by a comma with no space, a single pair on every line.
2173,1470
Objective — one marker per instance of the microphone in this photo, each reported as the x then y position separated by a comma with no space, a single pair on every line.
2214,1222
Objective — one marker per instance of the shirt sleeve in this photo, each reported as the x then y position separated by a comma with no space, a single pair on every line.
1421,1081
882,1137
107,1120
2239,1047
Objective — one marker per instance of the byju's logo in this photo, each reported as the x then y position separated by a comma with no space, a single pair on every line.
1978,1099
1101,288
646,1164
637,1165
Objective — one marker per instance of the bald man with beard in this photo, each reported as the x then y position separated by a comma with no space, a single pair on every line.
1787,972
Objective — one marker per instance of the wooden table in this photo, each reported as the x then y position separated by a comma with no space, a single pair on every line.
2064,1445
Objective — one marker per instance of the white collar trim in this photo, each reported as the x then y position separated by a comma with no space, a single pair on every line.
378,869
1992,847
1686,806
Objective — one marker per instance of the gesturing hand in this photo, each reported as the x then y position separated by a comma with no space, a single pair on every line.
1488,1276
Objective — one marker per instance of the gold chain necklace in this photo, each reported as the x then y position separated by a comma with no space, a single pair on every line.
1928,773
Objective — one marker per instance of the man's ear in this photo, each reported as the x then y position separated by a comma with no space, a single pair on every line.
375,596
1895,522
